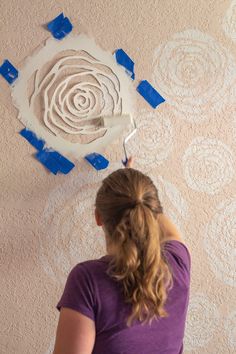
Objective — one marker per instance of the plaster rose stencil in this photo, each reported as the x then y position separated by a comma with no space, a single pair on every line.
229,21
64,91
194,73
202,321
220,242
208,165
70,234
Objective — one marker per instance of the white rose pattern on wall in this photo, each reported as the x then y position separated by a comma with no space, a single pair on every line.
208,165
202,321
70,234
220,242
153,141
194,73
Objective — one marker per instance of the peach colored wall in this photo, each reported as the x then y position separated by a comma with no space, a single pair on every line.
187,49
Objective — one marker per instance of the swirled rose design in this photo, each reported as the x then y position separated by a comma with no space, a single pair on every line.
208,165
66,89
220,242
194,73
76,89
154,139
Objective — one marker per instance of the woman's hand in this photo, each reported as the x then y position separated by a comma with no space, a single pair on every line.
129,162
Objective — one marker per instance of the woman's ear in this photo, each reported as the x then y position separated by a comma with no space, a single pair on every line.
98,218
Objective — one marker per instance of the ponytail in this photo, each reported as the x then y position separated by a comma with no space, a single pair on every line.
138,264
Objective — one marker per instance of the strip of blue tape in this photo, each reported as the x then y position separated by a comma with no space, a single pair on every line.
149,93
98,161
8,71
123,59
32,139
60,26
54,161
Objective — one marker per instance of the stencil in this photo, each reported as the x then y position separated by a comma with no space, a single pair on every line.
66,89
220,242
208,165
194,73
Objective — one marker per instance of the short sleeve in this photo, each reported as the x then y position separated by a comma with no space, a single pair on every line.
179,258
78,293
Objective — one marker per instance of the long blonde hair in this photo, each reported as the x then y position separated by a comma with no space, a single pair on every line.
128,205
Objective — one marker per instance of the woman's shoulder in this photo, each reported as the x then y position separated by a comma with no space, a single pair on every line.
91,264
178,255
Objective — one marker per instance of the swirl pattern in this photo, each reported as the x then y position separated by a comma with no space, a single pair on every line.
76,84
194,73
208,165
220,242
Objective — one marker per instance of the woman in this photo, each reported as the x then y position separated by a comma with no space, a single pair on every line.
134,299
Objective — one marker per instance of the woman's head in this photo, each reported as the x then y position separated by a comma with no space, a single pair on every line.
127,206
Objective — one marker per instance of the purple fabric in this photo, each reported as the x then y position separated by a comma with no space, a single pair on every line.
93,293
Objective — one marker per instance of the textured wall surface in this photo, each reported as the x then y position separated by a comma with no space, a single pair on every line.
187,49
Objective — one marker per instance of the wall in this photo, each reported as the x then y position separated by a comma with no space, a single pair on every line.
187,50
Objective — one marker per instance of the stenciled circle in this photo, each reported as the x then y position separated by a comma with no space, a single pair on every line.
208,165
229,21
202,321
193,72
220,242
153,141
69,231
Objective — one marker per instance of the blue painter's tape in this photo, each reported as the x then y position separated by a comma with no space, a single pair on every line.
123,59
8,71
98,161
65,164
149,93
60,26
54,161
32,139
48,161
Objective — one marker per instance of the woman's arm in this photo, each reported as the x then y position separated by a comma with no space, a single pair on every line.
75,333
168,230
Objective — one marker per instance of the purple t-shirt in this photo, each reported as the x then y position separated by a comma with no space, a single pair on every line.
93,293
